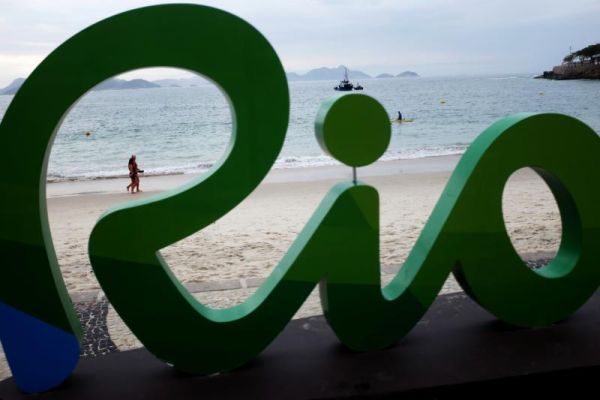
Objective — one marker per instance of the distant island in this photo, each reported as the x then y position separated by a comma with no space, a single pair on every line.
324,73
318,74
13,87
122,84
408,74
581,64
405,74
193,81
110,84
332,74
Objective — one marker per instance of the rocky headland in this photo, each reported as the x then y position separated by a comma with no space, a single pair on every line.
581,64
573,71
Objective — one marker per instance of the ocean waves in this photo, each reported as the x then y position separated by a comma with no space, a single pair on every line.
187,130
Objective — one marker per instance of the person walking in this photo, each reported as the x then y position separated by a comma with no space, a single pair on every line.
133,175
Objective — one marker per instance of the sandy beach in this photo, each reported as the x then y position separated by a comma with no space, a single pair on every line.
248,242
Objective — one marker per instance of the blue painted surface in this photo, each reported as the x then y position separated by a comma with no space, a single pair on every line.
40,355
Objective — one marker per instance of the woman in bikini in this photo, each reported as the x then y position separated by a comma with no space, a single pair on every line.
133,175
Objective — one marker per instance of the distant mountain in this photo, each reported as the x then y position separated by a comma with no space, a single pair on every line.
139,84
330,74
408,74
292,76
122,84
182,82
318,74
168,83
13,87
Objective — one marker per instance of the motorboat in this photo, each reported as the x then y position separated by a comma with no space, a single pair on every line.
345,84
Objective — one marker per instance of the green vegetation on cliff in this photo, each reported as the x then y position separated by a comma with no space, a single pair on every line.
589,54
581,64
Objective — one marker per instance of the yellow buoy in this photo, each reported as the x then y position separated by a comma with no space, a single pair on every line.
88,133
442,101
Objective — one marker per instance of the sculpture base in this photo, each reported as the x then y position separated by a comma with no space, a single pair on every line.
456,349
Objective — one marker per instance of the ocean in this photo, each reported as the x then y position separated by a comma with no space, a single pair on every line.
185,130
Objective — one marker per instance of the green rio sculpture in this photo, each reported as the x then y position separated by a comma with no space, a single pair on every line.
338,249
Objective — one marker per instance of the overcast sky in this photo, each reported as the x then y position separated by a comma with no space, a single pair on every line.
431,37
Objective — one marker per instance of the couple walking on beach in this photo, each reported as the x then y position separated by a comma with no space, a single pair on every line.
133,175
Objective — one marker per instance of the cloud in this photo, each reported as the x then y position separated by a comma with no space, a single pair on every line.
471,36
17,66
